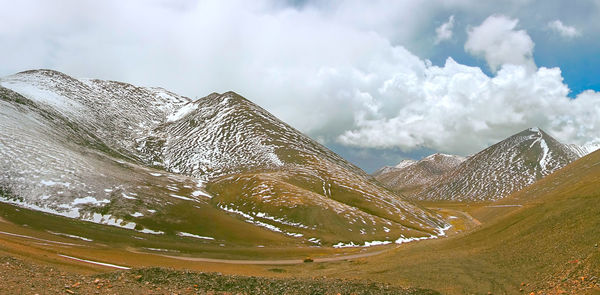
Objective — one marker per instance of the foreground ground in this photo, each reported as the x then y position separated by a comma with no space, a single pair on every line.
35,261
20,277
542,240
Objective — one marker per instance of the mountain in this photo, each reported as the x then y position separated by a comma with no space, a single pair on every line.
219,168
386,169
502,169
583,150
409,177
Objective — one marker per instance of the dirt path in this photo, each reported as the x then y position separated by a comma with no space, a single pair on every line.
452,212
466,215
23,277
268,262
38,239
196,259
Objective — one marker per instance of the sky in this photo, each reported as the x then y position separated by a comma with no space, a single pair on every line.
375,81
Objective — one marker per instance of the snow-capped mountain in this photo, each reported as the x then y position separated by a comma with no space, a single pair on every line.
583,150
502,169
409,176
150,160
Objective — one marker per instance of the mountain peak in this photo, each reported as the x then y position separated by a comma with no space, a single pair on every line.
47,72
40,75
409,176
534,130
441,157
405,163
502,168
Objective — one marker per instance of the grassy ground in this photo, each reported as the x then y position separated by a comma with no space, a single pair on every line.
37,224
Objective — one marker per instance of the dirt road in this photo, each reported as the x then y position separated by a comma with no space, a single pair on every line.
274,262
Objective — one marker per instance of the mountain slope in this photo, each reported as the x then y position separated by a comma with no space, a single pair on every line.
409,177
547,244
502,169
219,167
583,150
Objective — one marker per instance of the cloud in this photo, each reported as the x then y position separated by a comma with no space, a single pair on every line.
333,71
498,42
563,30
459,109
444,31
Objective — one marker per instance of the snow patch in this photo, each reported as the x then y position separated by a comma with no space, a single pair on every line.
181,197
182,112
71,236
545,150
184,234
408,240
94,262
89,200
199,193
153,232
440,232
53,183
110,220
124,195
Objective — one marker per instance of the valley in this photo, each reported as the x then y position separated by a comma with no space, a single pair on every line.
103,176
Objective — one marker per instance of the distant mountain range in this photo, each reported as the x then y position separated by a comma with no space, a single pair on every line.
409,177
489,175
219,168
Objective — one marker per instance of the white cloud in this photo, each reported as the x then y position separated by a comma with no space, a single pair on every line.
562,29
444,31
331,70
459,109
498,42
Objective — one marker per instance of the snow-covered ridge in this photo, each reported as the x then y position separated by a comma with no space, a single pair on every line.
586,149
410,175
503,168
405,163
115,112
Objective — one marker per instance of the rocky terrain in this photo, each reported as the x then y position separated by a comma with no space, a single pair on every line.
20,277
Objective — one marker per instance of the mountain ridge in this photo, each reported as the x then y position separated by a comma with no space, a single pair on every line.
226,156
502,168
409,176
